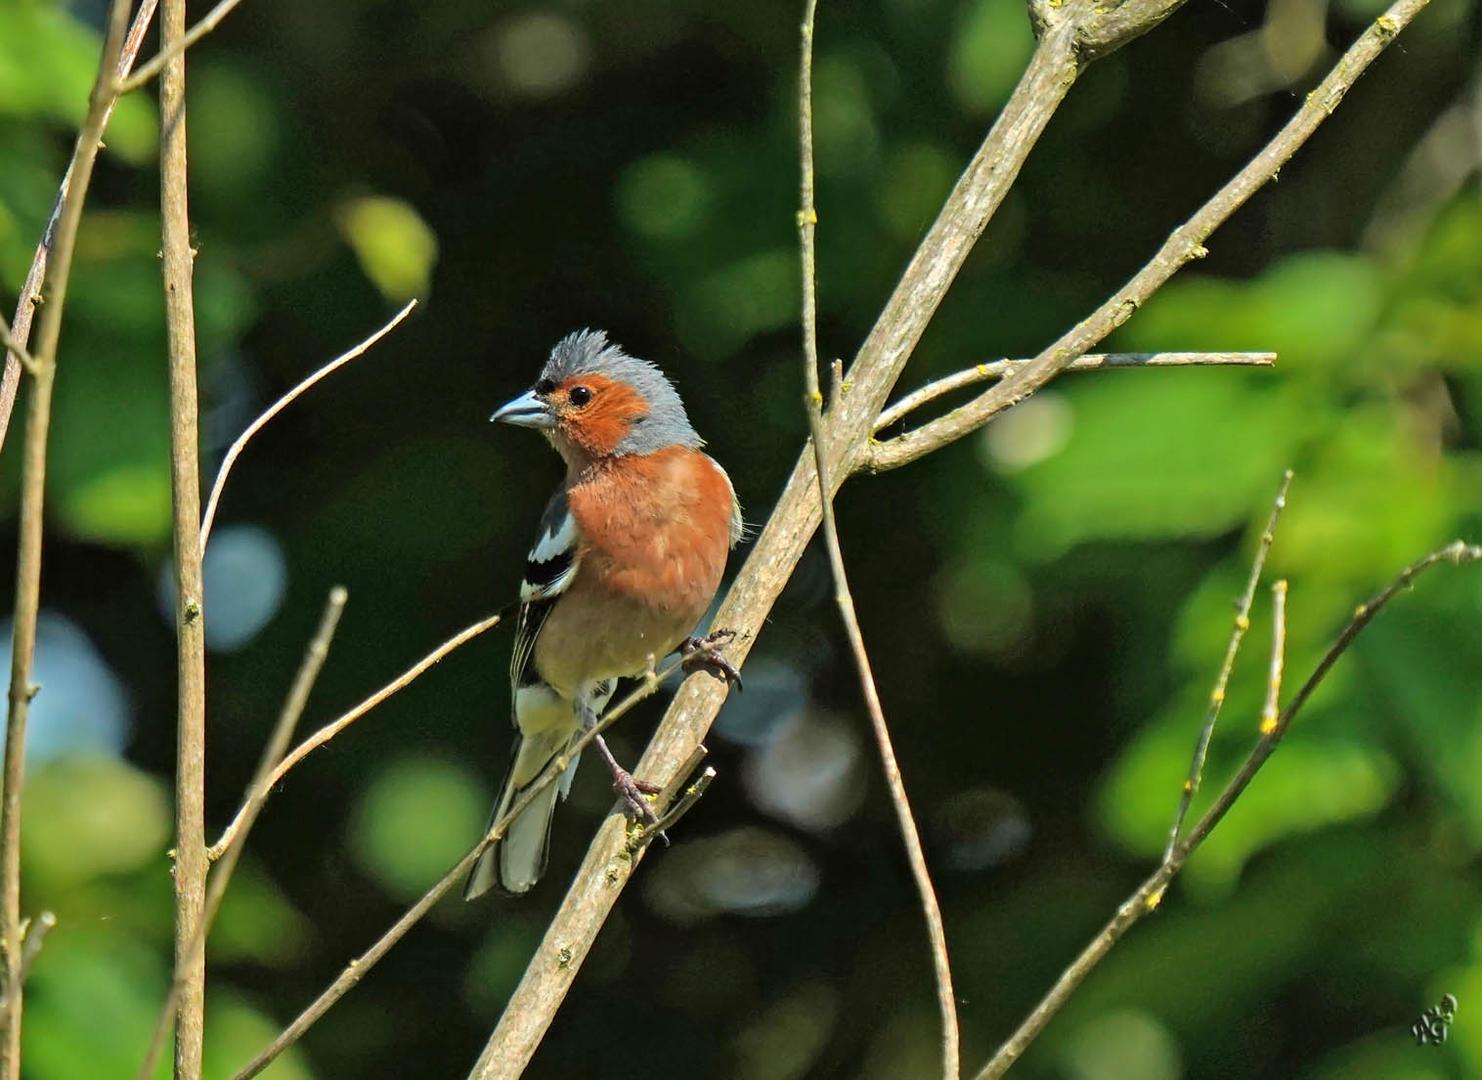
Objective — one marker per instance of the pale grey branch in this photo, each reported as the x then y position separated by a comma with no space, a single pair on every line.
997,369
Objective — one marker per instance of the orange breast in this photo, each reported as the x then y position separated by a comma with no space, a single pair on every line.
655,529
654,532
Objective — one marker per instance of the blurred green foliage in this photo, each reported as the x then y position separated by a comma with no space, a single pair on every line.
1046,601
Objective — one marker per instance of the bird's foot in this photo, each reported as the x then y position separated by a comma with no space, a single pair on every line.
634,793
700,654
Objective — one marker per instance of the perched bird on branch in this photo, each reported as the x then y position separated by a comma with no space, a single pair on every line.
627,559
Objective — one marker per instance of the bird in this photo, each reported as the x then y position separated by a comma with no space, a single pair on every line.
628,556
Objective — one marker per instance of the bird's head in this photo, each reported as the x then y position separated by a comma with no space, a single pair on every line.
594,401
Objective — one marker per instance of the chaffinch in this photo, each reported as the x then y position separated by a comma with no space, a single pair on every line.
628,556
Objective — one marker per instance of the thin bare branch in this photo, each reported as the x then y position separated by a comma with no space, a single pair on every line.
1149,894
1222,680
177,263
235,450
813,406
1185,244
28,547
30,297
1090,362
682,806
173,49
356,969
279,769
257,793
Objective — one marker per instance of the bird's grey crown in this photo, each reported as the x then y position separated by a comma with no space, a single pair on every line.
588,352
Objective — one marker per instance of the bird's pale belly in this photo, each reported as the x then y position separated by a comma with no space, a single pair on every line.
591,635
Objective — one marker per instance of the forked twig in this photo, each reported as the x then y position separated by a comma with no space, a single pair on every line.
288,717
1149,894
1222,681
156,64
1184,245
1064,29
30,296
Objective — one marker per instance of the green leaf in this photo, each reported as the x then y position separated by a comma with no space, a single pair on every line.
89,816
91,1002
48,61
1157,454
664,197
754,294
1316,310
129,504
988,56
396,248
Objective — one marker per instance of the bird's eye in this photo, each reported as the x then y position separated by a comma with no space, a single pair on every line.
579,395
545,386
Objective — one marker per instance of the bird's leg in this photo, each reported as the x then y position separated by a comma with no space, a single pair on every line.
630,788
700,654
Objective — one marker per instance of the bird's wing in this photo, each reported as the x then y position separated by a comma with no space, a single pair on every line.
549,570
738,527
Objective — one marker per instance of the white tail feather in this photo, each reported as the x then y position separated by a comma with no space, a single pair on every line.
516,861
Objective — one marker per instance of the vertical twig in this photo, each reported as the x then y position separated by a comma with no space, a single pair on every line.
178,260
813,405
28,553
288,718
1217,696
30,297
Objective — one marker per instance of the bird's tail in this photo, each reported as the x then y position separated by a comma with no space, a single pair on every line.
515,862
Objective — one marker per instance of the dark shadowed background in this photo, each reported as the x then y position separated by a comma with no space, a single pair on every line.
1046,602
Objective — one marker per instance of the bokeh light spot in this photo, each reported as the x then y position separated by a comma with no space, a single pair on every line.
812,775
83,705
540,53
418,818
746,871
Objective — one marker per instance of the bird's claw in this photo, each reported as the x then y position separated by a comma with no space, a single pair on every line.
634,794
700,655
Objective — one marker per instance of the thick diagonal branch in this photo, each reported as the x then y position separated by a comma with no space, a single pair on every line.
876,368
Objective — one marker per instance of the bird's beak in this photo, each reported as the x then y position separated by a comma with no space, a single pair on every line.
527,410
